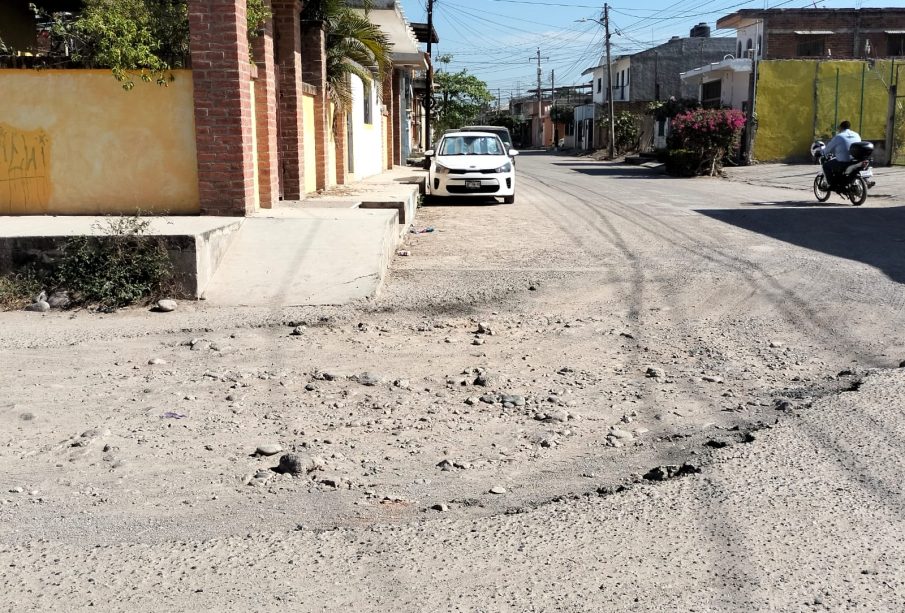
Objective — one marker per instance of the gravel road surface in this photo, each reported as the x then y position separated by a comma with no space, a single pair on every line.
624,392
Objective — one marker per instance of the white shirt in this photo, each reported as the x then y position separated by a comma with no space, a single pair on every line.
840,144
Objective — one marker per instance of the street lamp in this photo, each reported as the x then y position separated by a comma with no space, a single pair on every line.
611,149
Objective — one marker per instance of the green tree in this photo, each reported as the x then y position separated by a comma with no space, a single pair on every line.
459,99
146,39
354,46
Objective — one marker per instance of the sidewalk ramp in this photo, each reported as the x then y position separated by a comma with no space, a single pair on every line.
313,257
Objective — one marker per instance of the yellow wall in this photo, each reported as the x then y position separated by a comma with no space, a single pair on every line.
310,144
796,103
385,125
73,142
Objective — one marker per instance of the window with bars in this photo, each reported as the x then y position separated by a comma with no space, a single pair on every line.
895,44
811,45
368,108
711,94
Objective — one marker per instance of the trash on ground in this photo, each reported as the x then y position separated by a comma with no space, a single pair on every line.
425,230
403,252
173,415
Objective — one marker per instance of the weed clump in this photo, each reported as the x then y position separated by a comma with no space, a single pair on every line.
119,266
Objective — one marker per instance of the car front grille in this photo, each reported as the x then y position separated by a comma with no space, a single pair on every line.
461,189
456,171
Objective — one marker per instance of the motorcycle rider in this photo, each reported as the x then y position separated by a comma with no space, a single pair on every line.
839,146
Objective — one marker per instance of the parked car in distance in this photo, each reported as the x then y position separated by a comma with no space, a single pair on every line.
471,164
501,131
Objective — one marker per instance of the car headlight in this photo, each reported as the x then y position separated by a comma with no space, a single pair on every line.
504,168
440,169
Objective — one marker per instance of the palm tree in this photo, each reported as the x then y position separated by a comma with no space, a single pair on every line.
354,46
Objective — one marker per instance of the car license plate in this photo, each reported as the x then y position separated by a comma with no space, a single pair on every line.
472,185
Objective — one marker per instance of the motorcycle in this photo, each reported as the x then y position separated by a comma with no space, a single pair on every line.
852,182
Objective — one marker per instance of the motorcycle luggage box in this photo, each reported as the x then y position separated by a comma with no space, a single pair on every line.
861,151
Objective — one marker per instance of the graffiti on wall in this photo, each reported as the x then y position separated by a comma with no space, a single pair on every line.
24,171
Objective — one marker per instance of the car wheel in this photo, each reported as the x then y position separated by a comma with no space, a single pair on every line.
509,199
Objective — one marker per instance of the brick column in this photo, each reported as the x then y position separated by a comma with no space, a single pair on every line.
314,72
391,102
290,139
266,117
221,75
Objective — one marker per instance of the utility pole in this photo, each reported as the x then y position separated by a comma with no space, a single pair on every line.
554,132
611,147
429,100
540,107
553,86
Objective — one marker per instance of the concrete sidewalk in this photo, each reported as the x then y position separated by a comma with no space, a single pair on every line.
397,189
331,248
890,179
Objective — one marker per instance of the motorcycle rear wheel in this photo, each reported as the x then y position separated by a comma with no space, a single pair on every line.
857,191
821,188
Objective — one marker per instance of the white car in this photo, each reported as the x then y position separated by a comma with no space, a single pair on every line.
471,164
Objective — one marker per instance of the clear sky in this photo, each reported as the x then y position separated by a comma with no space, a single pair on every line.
497,40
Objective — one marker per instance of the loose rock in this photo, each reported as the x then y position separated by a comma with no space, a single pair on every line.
268,449
484,328
621,434
294,464
513,399
38,307
59,300
498,489
669,471
368,379
166,306
483,379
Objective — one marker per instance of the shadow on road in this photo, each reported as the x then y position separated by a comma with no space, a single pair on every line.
871,236
812,203
461,202
607,169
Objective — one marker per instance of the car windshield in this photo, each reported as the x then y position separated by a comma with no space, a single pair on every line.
471,145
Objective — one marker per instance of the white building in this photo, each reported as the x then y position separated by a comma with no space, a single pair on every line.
722,84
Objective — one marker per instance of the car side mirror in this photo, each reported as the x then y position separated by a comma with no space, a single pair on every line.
513,153
429,153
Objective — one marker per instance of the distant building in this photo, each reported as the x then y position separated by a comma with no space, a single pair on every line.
653,74
824,63
646,76
812,33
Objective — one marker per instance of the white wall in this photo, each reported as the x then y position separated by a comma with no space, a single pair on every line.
745,34
599,73
619,64
367,139
738,86
621,67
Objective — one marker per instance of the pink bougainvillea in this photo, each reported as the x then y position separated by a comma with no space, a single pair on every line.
707,133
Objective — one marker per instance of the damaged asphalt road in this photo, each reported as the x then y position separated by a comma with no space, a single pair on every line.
624,392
